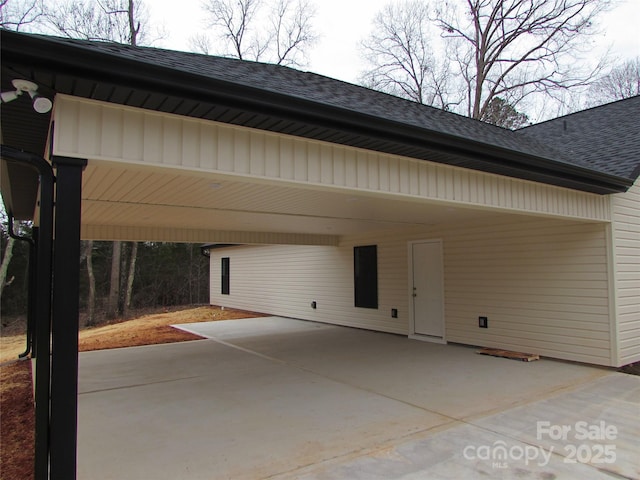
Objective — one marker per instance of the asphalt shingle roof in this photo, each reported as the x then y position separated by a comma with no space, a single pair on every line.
604,138
328,91
602,141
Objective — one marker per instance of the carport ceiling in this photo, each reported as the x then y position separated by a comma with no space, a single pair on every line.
117,195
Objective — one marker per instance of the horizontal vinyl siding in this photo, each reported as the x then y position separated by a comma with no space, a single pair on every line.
626,230
542,284
284,280
101,131
543,287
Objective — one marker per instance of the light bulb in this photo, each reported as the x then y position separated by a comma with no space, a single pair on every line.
41,104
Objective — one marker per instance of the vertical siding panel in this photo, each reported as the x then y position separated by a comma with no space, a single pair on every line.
495,197
287,158
414,179
404,178
300,159
473,190
510,188
465,186
152,150
225,149
190,153
423,180
384,172
111,141
313,162
553,197
208,140
339,175
562,203
133,128
272,156
257,154
89,133
326,165
242,152
362,170
351,164
543,200
432,181
526,196
373,170
394,175
171,141
66,133
479,190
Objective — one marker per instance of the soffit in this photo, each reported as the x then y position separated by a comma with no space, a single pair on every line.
119,196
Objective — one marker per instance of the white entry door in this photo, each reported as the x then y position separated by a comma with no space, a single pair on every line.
427,291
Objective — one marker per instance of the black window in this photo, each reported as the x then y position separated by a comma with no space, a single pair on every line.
225,276
365,276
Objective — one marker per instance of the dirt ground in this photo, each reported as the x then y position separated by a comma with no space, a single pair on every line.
16,394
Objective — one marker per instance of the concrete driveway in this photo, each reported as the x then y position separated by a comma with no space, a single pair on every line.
286,399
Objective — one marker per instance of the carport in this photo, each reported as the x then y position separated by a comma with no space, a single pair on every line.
280,398
146,145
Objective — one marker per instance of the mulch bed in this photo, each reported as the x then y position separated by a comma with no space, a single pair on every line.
17,422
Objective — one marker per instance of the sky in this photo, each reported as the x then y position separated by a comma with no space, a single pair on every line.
342,24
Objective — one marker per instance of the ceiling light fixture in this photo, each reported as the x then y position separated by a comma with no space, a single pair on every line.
40,104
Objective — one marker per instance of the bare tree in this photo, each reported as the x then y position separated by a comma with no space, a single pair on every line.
507,49
130,278
201,43
20,14
6,260
292,30
122,21
114,281
401,56
234,21
623,81
289,31
516,48
87,256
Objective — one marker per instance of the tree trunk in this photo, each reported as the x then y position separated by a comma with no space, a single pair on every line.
130,277
114,286
6,259
134,27
91,301
191,282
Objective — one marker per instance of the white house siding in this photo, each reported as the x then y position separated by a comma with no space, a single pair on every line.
111,133
284,280
542,284
543,287
626,239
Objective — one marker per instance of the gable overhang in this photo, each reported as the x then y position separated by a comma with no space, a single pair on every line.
62,67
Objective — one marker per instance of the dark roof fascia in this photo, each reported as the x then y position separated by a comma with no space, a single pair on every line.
78,60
